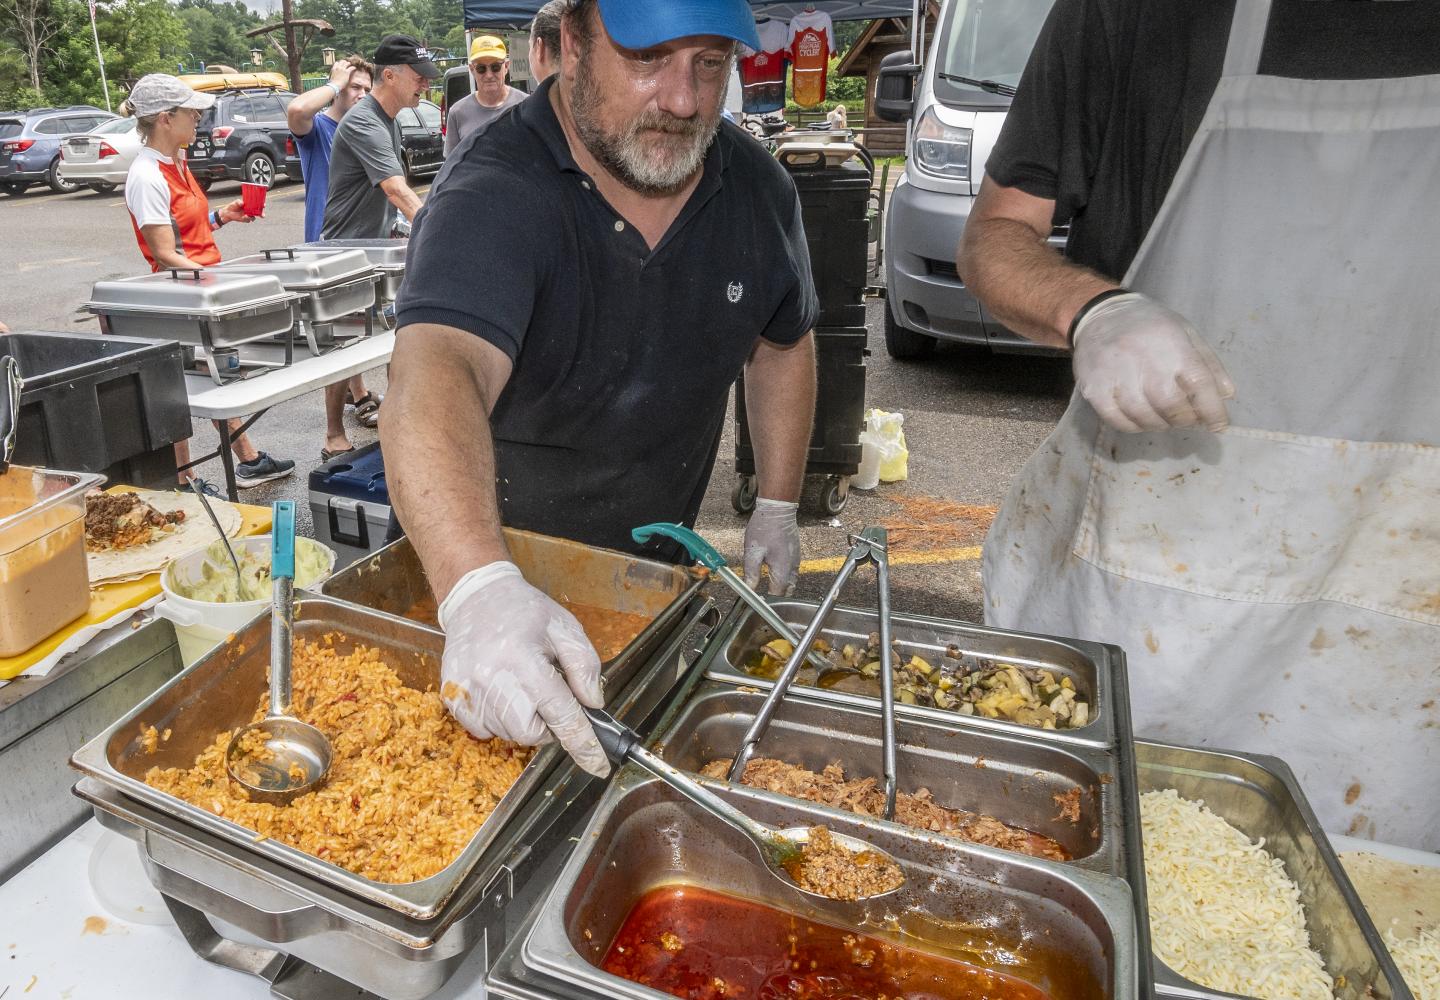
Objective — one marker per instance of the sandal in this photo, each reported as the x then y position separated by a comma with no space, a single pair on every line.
367,408
326,455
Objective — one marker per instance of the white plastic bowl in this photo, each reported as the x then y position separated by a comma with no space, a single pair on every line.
200,626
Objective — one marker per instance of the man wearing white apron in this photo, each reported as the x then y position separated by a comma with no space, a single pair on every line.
1245,491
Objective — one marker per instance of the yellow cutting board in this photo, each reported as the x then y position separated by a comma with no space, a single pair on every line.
110,599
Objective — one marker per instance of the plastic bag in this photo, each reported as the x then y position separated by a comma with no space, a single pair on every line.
887,431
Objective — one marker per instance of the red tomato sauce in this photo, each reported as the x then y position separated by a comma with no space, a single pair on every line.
703,945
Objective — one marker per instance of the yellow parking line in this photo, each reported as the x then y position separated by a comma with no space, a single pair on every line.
968,554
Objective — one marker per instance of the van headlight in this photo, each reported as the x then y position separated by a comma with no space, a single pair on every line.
942,150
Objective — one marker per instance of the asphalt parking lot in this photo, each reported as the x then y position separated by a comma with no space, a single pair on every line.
970,419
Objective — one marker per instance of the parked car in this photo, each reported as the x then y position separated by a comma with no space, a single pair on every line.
30,144
100,158
958,101
244,137
421,140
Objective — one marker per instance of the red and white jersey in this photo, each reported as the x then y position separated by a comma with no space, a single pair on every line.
762,73
811,42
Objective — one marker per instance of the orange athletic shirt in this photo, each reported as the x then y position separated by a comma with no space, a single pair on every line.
189,218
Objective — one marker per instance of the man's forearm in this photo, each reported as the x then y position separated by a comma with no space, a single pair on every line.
435,429
1023,281
405,200
780,402
300,115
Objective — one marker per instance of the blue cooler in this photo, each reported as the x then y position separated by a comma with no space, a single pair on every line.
350,503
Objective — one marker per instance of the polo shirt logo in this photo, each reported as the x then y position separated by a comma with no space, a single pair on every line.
735,292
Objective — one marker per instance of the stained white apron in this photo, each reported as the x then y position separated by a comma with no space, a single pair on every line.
1276,588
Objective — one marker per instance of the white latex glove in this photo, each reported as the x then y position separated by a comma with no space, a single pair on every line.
773,538
503,643
1145,368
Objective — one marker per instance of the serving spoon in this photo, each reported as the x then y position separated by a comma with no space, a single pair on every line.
781,850
296,755
240,592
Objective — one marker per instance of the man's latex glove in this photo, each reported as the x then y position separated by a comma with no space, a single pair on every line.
1145,368
773,537
503,643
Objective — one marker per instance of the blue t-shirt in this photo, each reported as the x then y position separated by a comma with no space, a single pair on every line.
314,148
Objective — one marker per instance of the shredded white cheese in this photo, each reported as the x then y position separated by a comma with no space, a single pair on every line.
1419,961
1223,913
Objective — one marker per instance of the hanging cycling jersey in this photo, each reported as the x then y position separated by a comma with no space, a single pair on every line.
811,34
763,73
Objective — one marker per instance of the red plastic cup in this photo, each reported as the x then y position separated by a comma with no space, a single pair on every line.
252,199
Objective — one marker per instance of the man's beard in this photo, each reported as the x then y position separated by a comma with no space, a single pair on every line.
629,154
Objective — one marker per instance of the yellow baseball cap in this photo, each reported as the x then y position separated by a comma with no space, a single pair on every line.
488,47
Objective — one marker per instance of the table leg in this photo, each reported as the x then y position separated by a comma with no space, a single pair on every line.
227,460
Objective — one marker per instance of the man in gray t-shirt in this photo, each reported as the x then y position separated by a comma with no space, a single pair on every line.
489,65
367,180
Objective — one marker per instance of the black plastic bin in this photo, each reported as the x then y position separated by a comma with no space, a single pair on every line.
833,203
114,405
839,418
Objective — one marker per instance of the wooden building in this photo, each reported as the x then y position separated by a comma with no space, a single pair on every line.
883,36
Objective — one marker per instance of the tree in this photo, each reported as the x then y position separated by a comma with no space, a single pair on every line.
33,26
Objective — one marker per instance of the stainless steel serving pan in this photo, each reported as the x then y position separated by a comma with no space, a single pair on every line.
333,284
222,895
392,581
1259,796
221,691
204,307
1097,671
1013,779
387,257
1070,932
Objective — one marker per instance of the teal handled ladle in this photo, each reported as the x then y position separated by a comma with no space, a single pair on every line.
706,555
296,756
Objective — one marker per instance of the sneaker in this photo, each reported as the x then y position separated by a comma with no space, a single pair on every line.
208,489
262,470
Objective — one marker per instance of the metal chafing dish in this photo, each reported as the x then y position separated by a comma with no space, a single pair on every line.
386,256
1013,779
398,941
1259,796
332,285
1070,932
393,582
1097,671
209,309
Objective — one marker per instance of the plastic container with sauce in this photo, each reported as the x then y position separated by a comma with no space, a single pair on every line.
44,581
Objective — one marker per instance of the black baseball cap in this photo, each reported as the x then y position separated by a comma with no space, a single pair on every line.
402,50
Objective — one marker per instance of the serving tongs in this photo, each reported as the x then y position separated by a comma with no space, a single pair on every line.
706,555
10,386
870,546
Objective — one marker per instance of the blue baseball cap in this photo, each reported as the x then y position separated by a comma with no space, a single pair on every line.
643,24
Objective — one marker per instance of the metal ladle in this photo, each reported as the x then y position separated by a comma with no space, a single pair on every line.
296,755
780,849
224,539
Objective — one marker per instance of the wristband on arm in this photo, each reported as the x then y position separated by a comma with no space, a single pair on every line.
1084,310
215,221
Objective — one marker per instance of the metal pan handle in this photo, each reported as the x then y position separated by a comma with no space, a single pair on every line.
180,273
288,252
10,387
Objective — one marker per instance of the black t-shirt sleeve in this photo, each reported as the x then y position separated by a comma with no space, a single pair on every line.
1051,140
476,262
799,308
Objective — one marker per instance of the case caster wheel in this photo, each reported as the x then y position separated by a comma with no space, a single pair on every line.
742,497
837,492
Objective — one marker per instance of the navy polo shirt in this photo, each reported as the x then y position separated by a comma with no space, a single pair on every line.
623,356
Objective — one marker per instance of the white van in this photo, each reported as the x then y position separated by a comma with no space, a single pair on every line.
956,102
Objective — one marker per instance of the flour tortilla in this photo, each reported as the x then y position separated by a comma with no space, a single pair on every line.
1400,896
195,532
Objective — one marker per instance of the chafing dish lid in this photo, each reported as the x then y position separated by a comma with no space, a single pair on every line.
303,271
192,292
387,254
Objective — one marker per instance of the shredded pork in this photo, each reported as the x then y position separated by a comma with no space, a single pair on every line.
865,797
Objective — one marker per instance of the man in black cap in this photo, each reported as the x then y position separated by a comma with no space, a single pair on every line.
367,179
